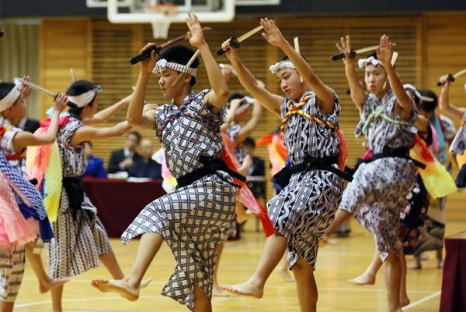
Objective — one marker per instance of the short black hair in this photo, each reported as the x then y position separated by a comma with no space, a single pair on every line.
249,142
416,99
5,88
429,106
136,134
180,54
76,88
234,96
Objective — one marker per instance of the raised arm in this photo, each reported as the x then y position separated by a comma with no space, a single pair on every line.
255,88
106,114
384,55
252,123
357,92
136,116
24,139
444,101
218,97
273,35
88,133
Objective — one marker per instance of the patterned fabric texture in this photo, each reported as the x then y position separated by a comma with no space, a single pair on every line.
379,188
12,261
191,219
413,216
6,145
78,241
304,209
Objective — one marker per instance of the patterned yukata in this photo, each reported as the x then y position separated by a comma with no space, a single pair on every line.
379,188
305,208
80,240
233,132
192,218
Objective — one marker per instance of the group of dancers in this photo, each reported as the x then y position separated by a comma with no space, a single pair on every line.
194,217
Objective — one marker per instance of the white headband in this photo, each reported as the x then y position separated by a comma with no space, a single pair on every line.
417,93
12,96
245,102
282,64
163,63
372,60
84,98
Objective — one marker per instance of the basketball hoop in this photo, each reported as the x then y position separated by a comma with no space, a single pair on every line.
163,15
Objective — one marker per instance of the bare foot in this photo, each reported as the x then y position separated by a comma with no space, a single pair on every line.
325,240
415,266
439,264
52,283
363,279
145,283
218,291
245,290
285,275
119,286
404,300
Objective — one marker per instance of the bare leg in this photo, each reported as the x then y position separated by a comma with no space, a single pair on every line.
306,286
340,217
284,271
129,286
417,265
439,257
6,306
57,294
201,302
392,282
404,300
111,264
368,277
45,282
217,290
275,246
242,214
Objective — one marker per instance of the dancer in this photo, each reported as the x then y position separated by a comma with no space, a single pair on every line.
13,145
381,184
304,208
412,216
81,241
190,219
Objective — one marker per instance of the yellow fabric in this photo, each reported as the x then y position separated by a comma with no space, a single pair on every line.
53,181
438,182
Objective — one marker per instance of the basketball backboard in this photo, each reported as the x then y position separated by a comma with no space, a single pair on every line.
161,13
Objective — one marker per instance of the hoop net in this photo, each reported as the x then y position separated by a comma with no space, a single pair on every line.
163,17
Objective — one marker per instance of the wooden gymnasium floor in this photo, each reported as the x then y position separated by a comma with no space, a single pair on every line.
335,265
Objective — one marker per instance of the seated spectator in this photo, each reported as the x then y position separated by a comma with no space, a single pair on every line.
257,169
95,165
122,160
146,167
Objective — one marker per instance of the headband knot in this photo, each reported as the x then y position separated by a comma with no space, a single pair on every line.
84,98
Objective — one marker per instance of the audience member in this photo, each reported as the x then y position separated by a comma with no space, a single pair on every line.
146,167
124,159
94,165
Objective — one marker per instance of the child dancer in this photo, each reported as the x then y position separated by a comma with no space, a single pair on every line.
304,208
192,218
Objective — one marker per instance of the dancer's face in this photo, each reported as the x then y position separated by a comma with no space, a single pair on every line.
167,76
290,83
375,78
